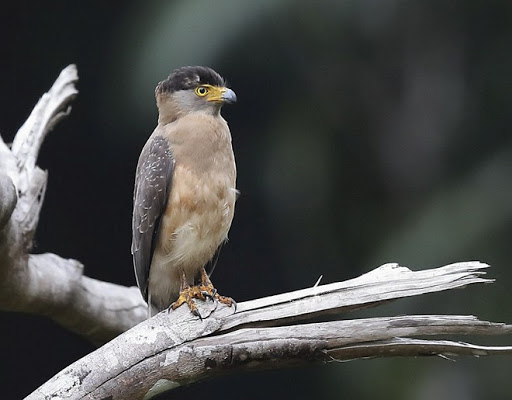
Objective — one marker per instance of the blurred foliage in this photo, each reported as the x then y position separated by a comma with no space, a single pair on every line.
366,131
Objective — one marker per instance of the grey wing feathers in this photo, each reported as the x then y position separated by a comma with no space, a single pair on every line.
153,181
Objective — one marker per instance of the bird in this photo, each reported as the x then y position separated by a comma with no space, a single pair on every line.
185,192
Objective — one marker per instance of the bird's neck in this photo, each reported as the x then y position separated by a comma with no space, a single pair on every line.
168,111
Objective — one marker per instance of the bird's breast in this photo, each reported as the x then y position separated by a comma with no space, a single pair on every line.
198,215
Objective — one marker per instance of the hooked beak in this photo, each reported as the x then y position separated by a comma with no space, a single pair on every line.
228,96
221,95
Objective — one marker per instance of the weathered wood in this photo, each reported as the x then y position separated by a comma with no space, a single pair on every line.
48,284
174,349
387,282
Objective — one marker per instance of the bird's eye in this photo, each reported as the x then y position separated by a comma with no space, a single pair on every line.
201,91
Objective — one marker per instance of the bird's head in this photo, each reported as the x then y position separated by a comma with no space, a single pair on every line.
192,89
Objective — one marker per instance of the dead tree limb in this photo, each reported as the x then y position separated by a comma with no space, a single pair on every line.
47,284
175,349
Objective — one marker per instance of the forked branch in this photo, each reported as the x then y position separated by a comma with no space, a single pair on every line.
176,348
47,284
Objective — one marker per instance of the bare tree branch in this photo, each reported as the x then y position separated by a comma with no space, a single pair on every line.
175,349
48,284
389,281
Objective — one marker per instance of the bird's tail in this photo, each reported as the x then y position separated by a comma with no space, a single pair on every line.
152,309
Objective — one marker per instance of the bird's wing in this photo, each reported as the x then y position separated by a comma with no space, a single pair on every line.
153,181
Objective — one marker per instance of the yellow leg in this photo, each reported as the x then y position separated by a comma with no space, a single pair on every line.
203,291
209,291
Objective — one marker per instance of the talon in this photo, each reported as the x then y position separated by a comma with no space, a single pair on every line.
208,295
205,290
187,297
196,313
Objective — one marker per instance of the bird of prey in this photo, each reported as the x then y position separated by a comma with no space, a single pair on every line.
185,191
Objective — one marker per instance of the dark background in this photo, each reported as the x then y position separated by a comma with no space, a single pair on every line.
366,132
